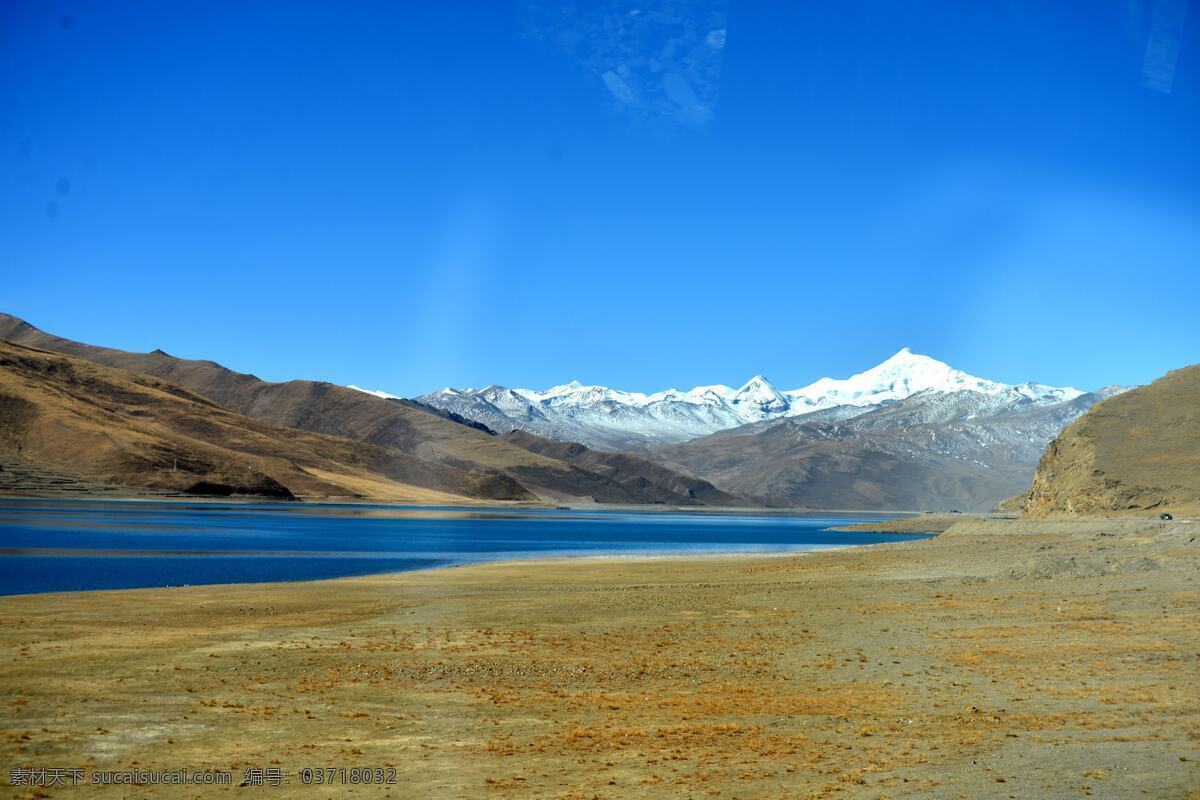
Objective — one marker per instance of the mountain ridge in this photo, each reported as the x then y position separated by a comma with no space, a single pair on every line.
429,434
73,417
615,419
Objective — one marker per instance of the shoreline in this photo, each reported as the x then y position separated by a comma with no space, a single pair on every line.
465,503
531,562
1003,658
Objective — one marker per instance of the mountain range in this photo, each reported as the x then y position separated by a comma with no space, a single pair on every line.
376,447
910,433
961,450
612,419
68,421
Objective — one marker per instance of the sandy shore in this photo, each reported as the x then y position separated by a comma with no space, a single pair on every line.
1003,659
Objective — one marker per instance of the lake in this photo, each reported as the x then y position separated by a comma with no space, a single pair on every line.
72,545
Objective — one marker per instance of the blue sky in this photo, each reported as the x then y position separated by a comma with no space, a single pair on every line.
410,195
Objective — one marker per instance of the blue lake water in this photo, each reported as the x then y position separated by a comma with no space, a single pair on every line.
65,545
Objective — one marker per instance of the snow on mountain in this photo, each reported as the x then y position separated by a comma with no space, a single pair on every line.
613,419
758,399
375,392
901,376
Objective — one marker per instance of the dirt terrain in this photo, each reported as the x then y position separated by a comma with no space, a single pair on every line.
1002,659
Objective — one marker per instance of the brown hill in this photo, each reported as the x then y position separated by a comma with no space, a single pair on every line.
71,417
632,471
393,424
1133,452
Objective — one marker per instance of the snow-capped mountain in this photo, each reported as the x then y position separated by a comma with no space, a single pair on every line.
906,374
612,419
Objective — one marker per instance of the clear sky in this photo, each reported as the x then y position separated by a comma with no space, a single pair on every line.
410,195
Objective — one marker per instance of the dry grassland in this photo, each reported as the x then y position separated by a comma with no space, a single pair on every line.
1001,660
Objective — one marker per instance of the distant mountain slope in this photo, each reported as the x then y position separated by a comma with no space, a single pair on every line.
611,419
73,417
1135,452
626,469
429,434
933,450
